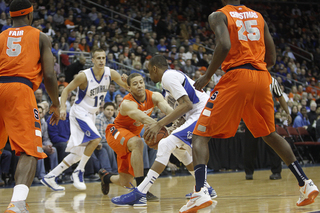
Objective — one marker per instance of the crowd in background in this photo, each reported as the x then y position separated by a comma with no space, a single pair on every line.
179,30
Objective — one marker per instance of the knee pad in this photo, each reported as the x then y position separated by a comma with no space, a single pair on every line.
72,158
165,147
183,156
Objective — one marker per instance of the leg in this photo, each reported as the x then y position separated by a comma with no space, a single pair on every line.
112,157
146,164
26,170
135,146
250,153
103,158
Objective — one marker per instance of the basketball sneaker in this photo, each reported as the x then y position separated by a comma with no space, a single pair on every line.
151,197
51,183
308,193
78,180
198,200
17,207
211,191
134,198
104,186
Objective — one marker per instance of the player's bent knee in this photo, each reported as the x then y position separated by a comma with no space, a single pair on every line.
135,143
165,147
183,156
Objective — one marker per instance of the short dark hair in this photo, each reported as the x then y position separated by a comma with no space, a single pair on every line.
159,61
17,5
108,104
97,50
131,76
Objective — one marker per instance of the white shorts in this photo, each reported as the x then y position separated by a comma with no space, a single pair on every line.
82,128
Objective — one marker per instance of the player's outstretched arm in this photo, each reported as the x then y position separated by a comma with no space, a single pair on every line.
50,79
78,81
161,103
270,57
120,80
130,109
219,24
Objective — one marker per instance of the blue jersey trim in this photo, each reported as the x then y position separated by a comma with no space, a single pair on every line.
89,134
186,134
95,76
81,94
190,91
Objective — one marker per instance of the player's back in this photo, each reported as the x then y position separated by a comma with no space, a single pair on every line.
126,122
246,30
20,54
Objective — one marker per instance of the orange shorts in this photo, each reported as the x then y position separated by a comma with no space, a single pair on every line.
117,139
19,119
240,93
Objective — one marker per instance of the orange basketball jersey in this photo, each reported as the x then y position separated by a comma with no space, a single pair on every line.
20,54
246,29
128,123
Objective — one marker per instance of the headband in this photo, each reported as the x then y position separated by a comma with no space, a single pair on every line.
22,12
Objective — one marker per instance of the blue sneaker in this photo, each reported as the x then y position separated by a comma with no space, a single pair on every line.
211,191
134,198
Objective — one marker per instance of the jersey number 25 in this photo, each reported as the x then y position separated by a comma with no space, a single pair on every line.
253,32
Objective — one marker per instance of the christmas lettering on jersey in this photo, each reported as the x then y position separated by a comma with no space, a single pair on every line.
244,15
99,89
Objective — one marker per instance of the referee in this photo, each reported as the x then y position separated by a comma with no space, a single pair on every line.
251,143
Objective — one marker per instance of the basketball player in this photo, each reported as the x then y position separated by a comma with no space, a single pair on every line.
25,58
189,104
244,50
92,85
123,135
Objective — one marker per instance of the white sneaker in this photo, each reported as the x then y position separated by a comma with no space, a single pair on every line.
308,193
78,180
198,200
51,183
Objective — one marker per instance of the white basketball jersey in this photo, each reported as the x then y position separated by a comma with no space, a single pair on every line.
91,98
178,84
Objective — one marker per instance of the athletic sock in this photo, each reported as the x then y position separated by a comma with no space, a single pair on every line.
20,192
106,178
298,172
83,162
148,181
139,180
200,172
58,169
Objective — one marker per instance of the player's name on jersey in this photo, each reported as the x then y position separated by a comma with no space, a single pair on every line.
243,15
99,89
16,33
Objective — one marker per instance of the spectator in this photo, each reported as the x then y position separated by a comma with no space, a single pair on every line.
55,49
189,69
72,37
302,119
58,19
111,62
122,92
151,48
102,121
110,96
56,66
294,112
61,80
63,45
161,46
39,96
7,25
3,19
74,68
93,15
146,23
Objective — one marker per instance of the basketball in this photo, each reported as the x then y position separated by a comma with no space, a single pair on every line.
163,133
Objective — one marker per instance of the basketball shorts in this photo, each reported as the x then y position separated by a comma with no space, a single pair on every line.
19,119
240,93
82,129
117,139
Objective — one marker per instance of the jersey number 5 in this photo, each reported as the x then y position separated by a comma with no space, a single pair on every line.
253,32
14,49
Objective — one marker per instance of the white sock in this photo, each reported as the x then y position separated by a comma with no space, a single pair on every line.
148,181
58,170
83,162
20,192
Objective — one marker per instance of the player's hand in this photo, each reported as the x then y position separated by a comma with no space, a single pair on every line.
54,120
63,114
289,119
151,132
201,82
124,77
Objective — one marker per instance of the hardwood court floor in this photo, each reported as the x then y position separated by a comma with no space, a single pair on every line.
235,194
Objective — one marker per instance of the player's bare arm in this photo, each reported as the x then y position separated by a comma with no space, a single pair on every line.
120,80
50,79
270,57
79,81
159,101
219,24
184,106
130,108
